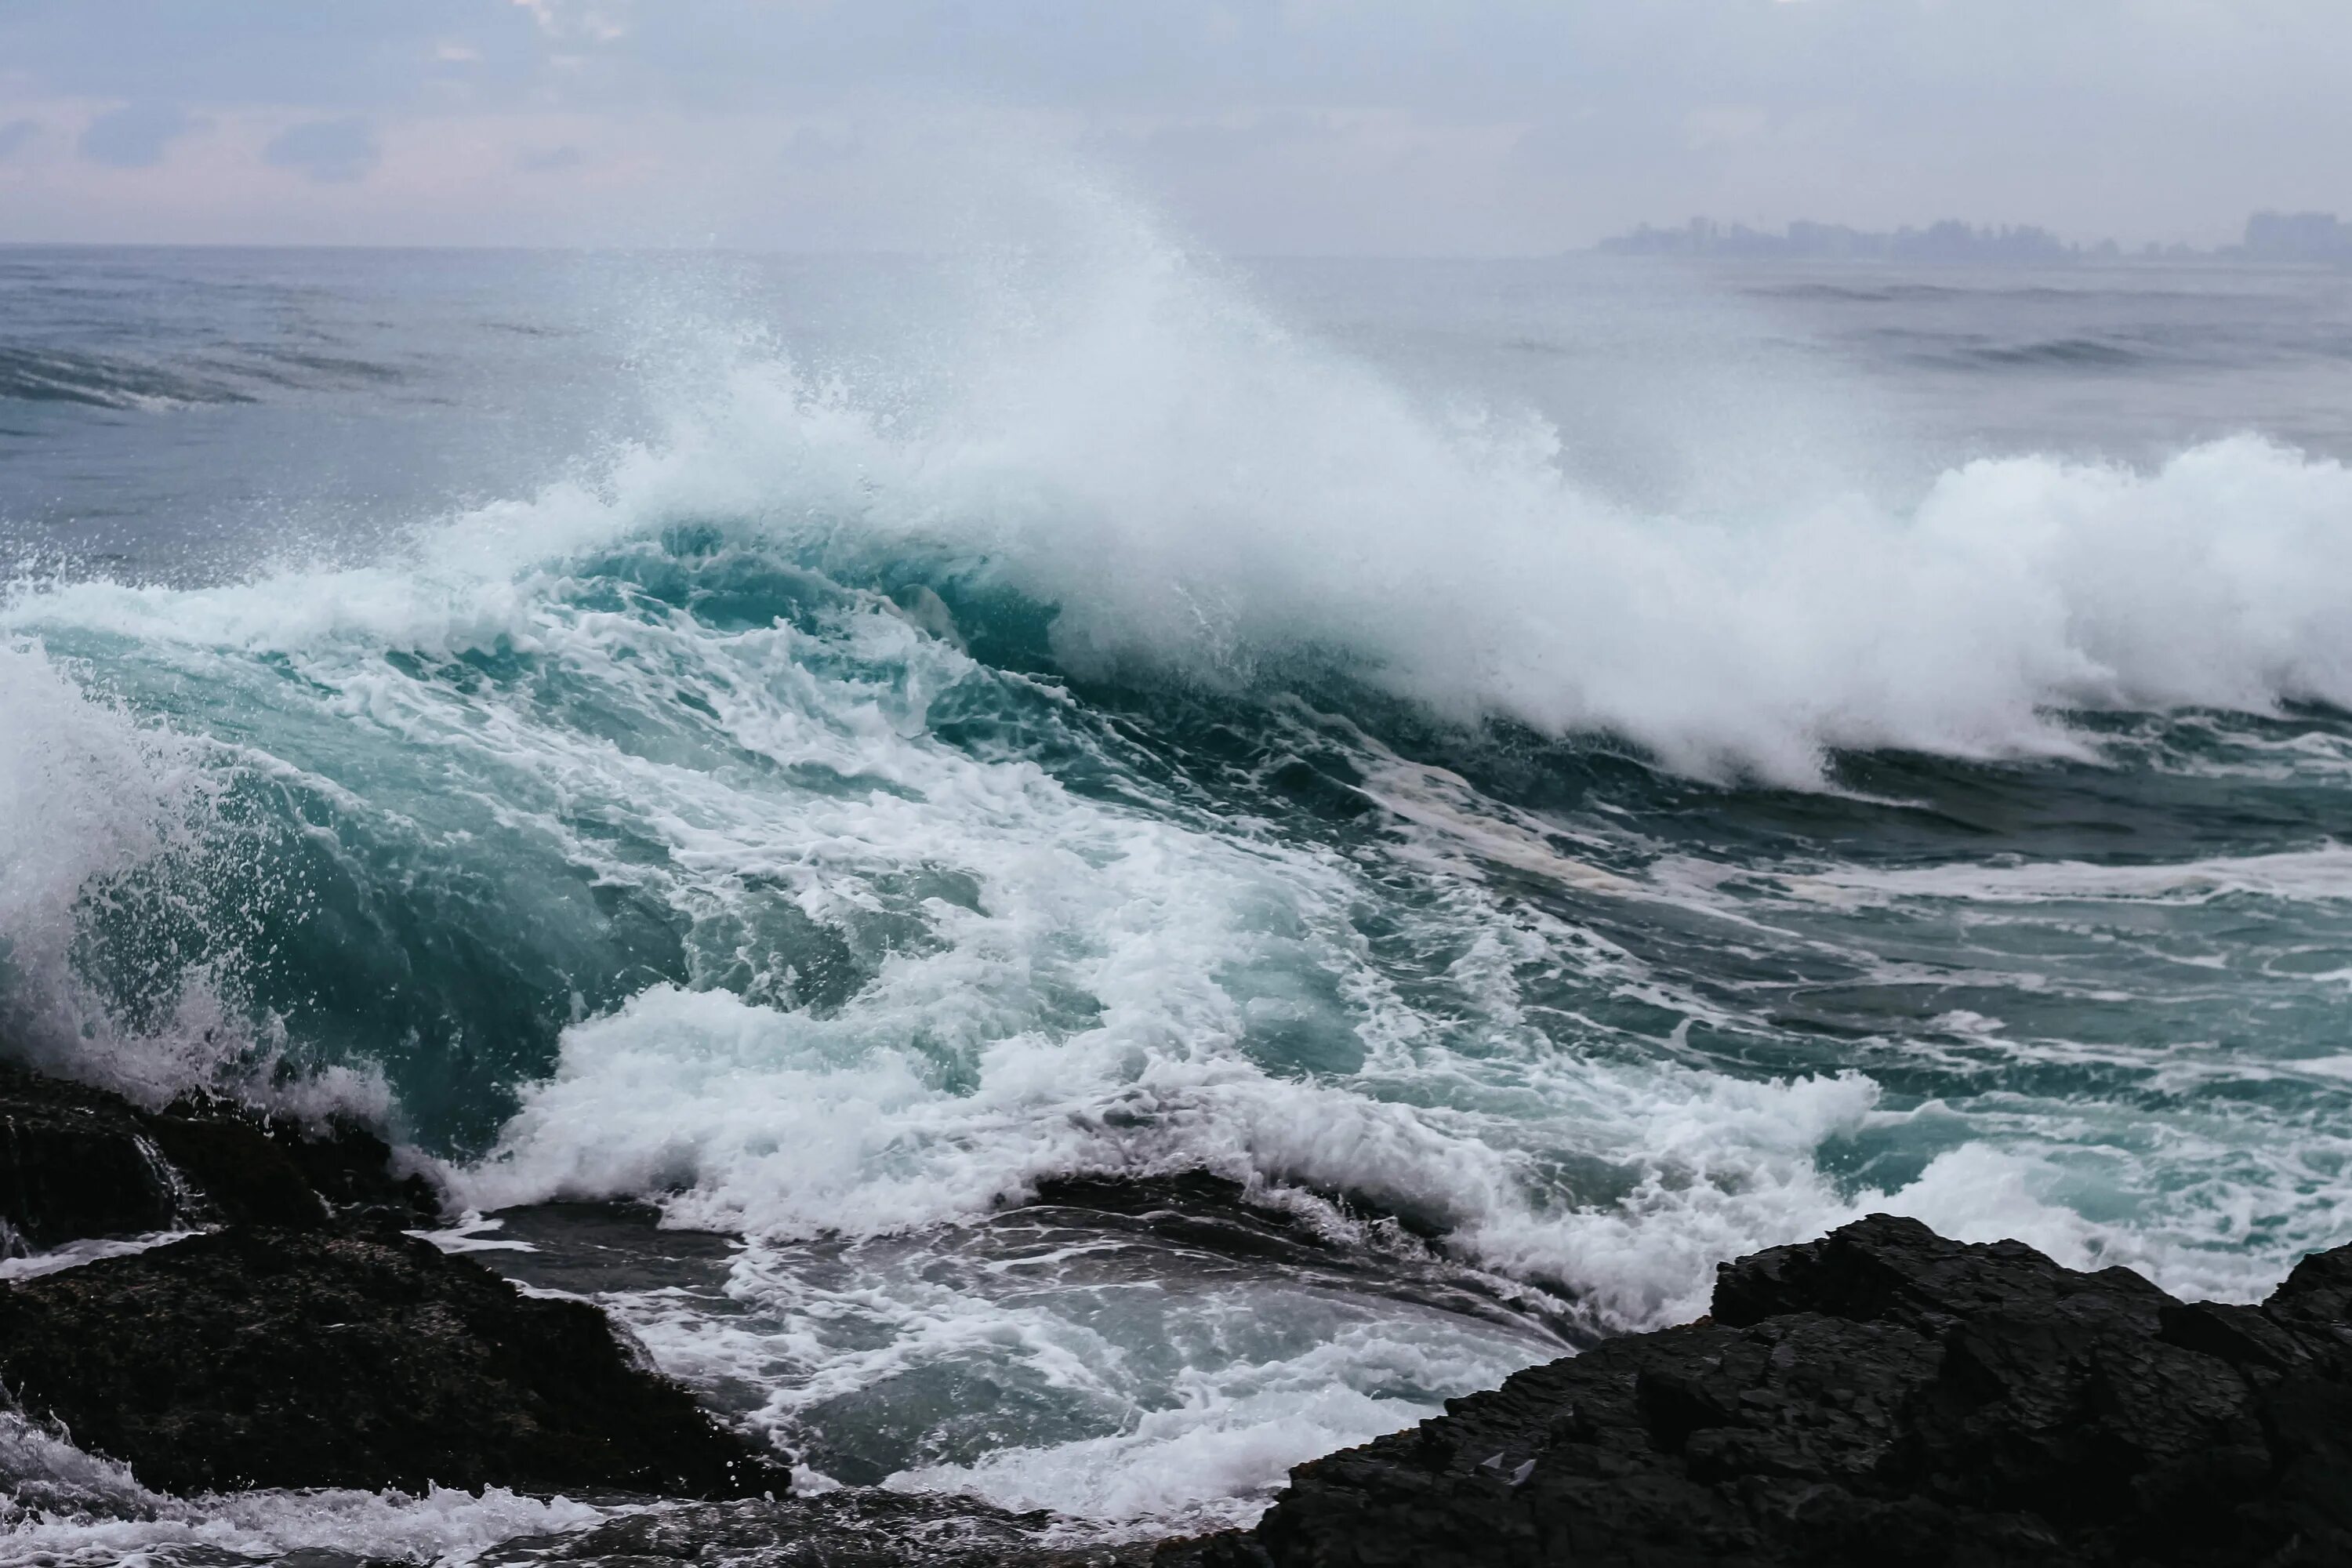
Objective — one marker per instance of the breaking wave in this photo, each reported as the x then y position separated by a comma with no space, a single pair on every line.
843,815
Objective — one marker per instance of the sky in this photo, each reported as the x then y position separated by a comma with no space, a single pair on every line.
1397,127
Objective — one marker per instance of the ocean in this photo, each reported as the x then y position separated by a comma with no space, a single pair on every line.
1145,864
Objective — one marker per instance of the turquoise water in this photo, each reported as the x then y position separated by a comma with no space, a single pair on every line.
1549,776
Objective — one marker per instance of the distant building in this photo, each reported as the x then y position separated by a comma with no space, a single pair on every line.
1948,241
2298,236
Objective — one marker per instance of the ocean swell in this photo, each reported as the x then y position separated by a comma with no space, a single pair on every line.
843,817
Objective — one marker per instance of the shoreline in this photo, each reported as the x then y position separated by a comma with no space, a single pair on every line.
241,1303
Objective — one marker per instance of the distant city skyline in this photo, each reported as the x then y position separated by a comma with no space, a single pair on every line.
2296,238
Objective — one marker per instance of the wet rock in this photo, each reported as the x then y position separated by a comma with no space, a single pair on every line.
355,1172
248,1169
77,1163
325,1357
1880,1395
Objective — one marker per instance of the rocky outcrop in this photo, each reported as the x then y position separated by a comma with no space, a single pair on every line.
304,1340
77,1163
259,1357
1881,1396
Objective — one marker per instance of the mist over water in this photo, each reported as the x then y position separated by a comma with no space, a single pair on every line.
1544,776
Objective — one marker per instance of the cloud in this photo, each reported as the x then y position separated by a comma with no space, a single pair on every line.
1724,125
1331,125
550,159
814,148
15,135
604,23
134,136
329,150
1201,145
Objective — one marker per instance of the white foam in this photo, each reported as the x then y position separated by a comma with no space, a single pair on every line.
2300,875
61,1506
87,792
473,1232
1206,494
443,1527
42,1474
791,1127
84,789
75,1254
1209,1466
1442,821
1103,1391
91,796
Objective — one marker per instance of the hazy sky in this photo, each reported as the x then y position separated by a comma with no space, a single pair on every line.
1412,126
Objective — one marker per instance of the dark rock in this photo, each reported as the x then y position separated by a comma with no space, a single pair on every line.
255,1170
70,1169
234,1172
1880,1395
253,1357
77,1162
355,1172
856,1528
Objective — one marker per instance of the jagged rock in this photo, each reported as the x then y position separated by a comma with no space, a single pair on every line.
253,1357
1880,1395
77,1163
353,1169
61,1180
308,1343
247,1169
